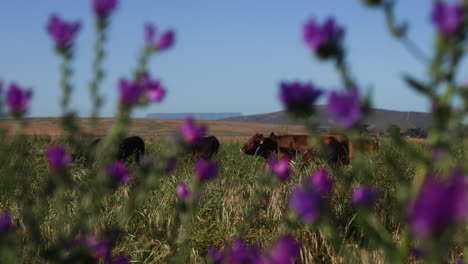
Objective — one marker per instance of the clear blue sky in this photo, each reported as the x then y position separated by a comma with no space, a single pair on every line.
229,56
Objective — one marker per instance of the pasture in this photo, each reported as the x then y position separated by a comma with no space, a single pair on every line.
238,200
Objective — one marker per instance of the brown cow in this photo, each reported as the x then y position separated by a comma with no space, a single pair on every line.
367,145
335,146
205,147
264,147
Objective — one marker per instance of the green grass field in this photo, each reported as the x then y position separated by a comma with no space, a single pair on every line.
223,207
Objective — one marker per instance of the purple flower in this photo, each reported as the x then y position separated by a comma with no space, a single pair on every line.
439,204
191,132
17,98
306,203
299,98
323,40
345,107
240,253
150,30
437,153
99,247
447,18
130,92
280,167
182,191
215,254
416,253
152,88
155,91
170,165
363,196
321,182
118,172
103,8
62,32
57,157
206,170
6,222
285,250
165,41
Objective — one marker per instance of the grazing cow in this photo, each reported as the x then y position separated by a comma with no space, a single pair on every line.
205,147
335,147
367,145
264,147
335,150
128,147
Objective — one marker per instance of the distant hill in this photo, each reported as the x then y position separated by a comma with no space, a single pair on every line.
379,119
203,116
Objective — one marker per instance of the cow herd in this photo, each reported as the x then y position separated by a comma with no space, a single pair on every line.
335,149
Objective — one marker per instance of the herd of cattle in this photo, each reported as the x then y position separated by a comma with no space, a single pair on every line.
336,149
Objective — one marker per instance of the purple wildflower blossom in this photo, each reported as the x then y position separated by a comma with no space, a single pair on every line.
299,98
321,182
149,30
437,153
323,40
103,8
363,196
191,131
206,170
345,107
416,253
57,157
170,165
240,253
17,99
118,171
182,191
6,222
280,167
165,41
285,251
306,203
215,254
130,92
155,91
439,204
62,32
446,17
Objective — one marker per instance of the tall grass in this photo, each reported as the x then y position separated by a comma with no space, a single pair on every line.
222,208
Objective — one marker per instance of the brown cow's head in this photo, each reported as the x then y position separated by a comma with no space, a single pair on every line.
259,145
253,144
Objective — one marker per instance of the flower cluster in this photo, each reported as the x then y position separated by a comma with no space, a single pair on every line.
57,157
324,40
284,251
103,8
17,99
6,222
439,204
345,107
192,132
99,247
363,196
321,182
142,90
447,18
62,32
183,191
279,167
163,42
118,172
206,170
299,99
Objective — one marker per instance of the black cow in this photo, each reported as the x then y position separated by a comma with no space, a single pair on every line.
205,147
128,147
